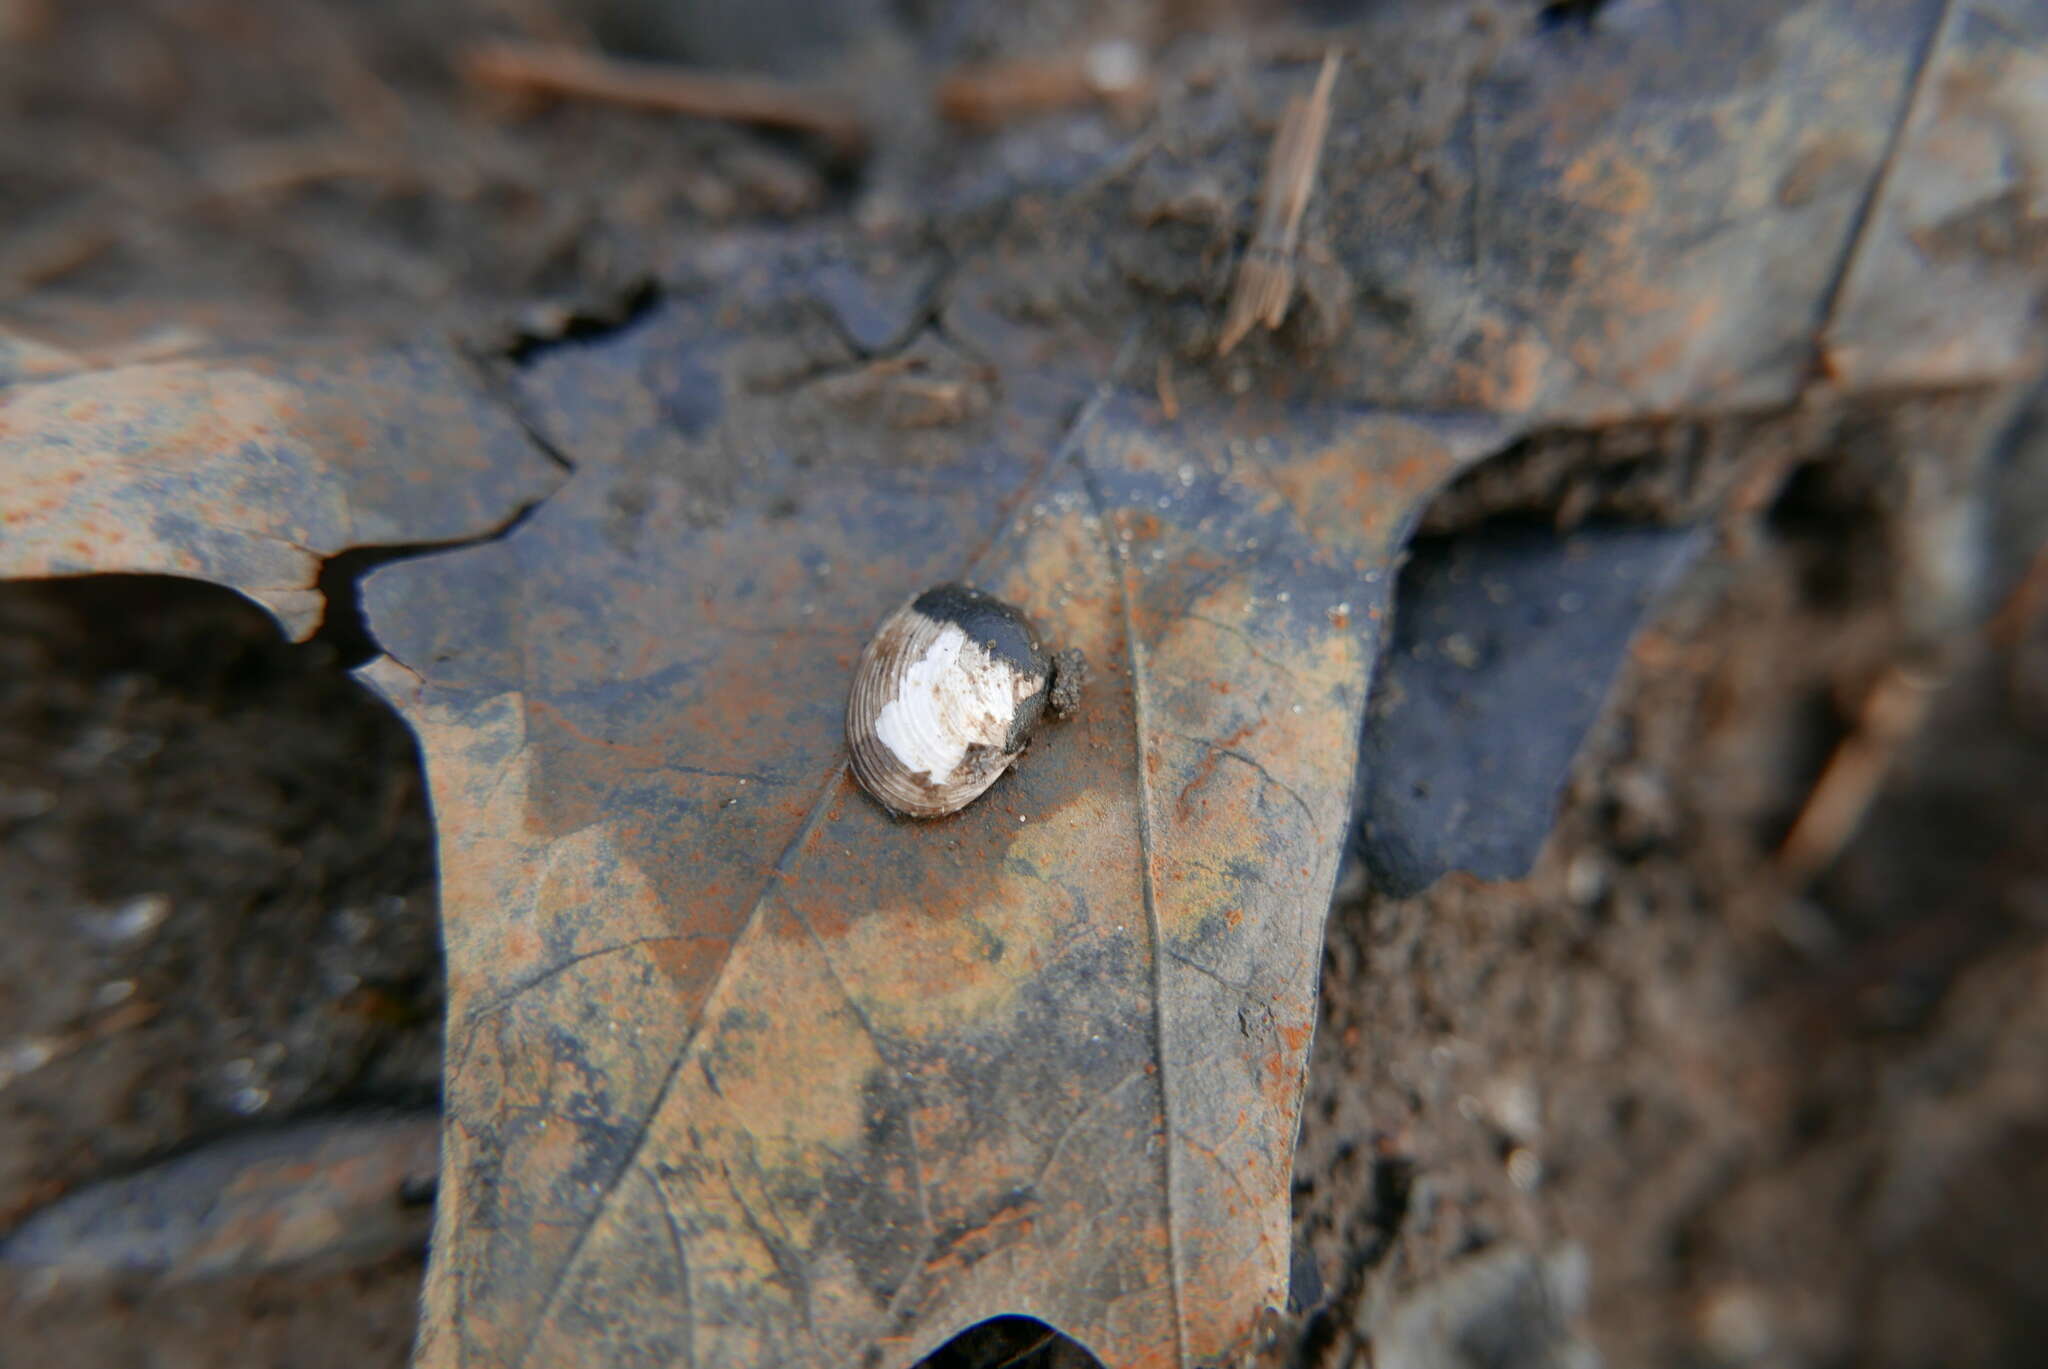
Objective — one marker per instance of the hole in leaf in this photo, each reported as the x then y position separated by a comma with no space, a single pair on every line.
1011,1343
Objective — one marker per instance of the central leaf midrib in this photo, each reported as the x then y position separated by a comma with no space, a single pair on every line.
1140,714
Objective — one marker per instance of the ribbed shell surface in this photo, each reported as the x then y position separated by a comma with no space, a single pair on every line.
932,719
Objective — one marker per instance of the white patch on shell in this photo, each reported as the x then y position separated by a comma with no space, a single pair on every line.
954,697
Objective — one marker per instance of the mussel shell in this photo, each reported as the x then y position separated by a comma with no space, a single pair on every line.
945,696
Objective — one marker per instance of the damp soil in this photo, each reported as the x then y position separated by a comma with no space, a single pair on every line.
1773,1120
1756,1111
1757,1118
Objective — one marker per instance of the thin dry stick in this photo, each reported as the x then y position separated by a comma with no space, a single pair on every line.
39,256
538,69
269,168
1265,278
26,1056
1891,713
1114,72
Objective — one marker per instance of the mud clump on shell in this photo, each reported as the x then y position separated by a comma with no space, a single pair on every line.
946,695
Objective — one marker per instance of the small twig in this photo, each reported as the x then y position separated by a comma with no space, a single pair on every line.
1891,712
988,94
271,168
537,69
1265,277
26,1056
1169,398
40,256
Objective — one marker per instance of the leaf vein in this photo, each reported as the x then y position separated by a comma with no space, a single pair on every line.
1081,1115
1140,703
644,1124
895,1068
1200,968
675,1240
1259,768
1873,195
1250,642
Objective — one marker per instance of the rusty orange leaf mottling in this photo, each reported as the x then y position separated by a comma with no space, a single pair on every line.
251,470
741,1070
750,1071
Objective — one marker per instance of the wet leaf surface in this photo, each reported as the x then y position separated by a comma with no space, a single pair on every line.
1506,640
1944,286
747,1070
342,1190
251,470
741,1070
1646,213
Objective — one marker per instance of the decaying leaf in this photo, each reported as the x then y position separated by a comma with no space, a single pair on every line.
251,470
1945,285
345,1189
742,1071
749,1072
1648,216
1505,642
